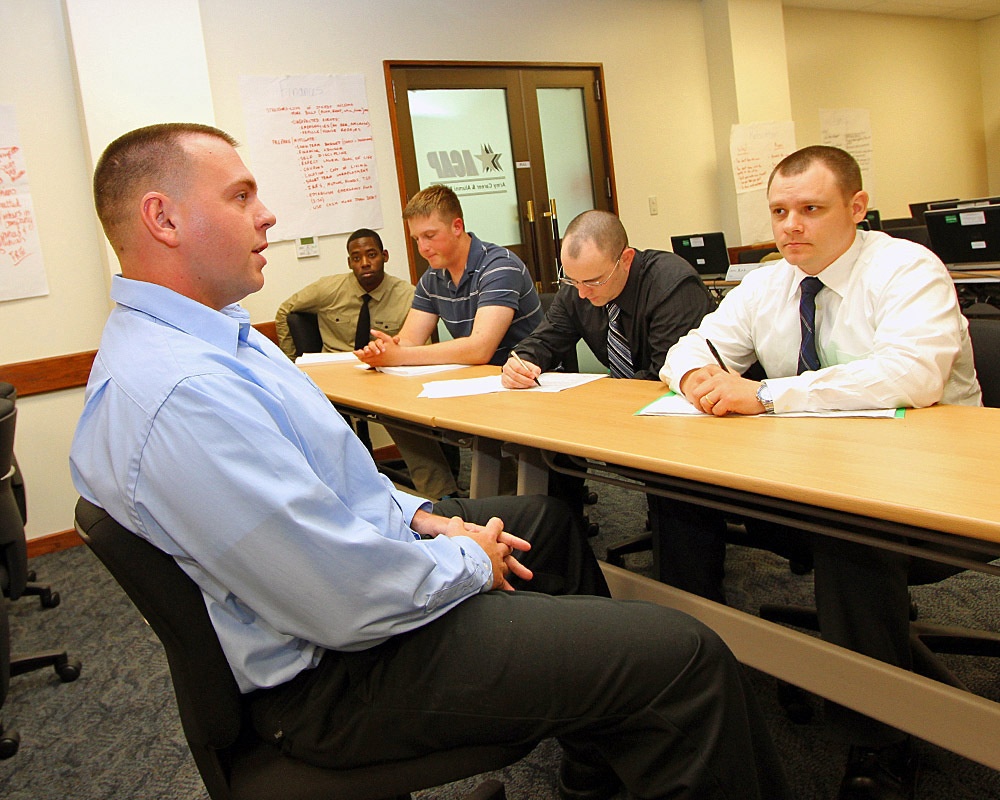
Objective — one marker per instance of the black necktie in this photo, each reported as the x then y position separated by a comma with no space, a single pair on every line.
808,358
363,334
619,354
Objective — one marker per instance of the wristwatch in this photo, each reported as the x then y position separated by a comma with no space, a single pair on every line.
764,397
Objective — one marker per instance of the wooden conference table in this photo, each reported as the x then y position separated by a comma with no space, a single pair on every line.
930,475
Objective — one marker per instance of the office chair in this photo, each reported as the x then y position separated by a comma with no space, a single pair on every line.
927,639
233,762
8,391
14,578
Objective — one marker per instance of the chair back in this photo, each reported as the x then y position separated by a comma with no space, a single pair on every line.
985,335
208,698
13,545
304,329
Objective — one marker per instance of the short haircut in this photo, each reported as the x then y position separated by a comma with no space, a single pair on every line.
841,163
434,199
602,228
364,233
146,159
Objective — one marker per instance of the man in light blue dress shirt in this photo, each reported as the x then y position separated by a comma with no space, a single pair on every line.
362,624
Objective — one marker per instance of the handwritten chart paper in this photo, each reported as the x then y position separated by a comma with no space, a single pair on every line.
850,129
22,271
310,141
755,149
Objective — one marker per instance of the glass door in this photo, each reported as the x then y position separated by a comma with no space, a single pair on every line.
516,144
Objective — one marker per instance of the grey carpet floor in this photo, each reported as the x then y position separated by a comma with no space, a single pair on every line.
114,733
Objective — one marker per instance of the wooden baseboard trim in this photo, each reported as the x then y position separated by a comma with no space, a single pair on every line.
53,542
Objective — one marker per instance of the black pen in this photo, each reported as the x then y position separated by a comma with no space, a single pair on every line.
715,353
517,358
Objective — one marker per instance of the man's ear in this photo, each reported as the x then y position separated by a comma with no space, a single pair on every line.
859,206
156,213
458,226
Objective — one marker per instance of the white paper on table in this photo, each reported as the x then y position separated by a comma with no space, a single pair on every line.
549,382
673,404
427,369
327,358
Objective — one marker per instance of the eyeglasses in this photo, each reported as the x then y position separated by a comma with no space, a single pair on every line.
597,281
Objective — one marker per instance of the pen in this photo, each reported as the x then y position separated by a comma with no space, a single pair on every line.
715,353
517,358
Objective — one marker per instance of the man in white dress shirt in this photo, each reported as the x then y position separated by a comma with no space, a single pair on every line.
847,320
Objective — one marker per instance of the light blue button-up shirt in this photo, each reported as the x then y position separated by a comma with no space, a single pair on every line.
201,436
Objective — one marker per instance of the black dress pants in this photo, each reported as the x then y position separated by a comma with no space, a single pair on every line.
648,689
862,598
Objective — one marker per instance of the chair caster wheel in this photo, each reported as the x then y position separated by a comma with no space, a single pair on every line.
49,599
68,671
10,741
799,567
796,703
593,529
590,498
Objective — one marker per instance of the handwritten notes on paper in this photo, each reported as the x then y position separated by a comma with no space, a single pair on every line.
22,271
755,149
850,129
311,145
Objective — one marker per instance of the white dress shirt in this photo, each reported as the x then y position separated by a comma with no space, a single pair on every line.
889,332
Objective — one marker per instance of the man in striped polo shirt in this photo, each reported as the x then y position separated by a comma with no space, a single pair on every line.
481,291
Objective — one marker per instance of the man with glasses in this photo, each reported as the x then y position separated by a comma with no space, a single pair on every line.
630,306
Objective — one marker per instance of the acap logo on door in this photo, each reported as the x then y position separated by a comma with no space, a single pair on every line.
461,164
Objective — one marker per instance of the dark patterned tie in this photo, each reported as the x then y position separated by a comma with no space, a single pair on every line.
619,355
363,333
808,358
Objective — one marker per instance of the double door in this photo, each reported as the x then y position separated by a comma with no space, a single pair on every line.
524,147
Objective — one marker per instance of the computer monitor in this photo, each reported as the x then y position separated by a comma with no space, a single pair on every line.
706,252
978,201
917,210
966,237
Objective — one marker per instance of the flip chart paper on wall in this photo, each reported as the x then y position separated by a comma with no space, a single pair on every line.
755,149
22,271
311,150
850,129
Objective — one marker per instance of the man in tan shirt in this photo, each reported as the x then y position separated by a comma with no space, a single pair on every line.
339,302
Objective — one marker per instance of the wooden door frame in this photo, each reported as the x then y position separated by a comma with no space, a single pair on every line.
389,65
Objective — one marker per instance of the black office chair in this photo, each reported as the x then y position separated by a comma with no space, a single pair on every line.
8,391
234,763
14,579
927,639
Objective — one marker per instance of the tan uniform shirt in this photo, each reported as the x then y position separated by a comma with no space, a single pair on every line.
336,301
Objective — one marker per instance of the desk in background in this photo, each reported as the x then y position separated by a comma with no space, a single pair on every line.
931,475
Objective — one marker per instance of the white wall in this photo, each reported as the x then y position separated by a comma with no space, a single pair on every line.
920,79
654,58
989,59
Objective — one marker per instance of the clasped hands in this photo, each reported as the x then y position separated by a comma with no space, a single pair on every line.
720,392
382,351
497,543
